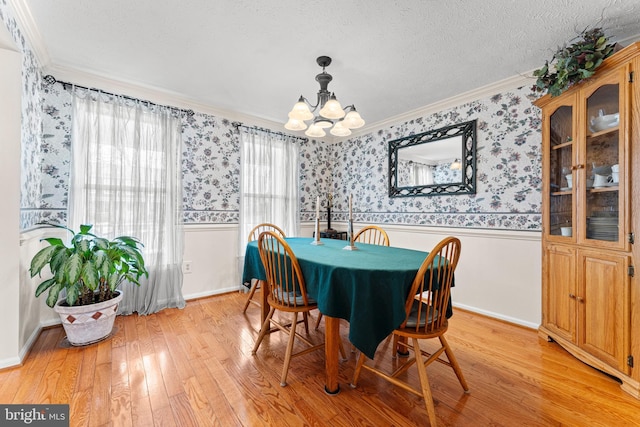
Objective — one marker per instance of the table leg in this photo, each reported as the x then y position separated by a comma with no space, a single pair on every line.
402,350
331,347
264,307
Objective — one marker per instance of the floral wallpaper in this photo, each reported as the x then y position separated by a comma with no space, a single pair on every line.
31,159
508,170
508,163
210,170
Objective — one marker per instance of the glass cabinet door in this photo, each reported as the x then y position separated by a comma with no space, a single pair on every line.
603,162
561,174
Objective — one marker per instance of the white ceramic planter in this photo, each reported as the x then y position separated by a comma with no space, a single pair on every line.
86,324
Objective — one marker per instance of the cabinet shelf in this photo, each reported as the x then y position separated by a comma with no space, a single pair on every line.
595,135
564,144
562,193
603,189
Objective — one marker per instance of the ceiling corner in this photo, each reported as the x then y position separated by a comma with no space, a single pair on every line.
32,34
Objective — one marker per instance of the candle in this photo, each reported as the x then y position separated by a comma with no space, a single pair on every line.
350,207
318,207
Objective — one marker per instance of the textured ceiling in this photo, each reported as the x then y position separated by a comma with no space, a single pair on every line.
256,57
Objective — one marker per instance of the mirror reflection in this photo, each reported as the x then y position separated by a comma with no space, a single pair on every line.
437,162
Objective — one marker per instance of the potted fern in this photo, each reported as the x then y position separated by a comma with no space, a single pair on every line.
89,271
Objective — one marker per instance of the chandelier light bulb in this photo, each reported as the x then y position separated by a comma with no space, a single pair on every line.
340,130
332,109
295,124
353,120
315,132
300,111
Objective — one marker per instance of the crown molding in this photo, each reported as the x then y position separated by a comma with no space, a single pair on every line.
509,83
174,99
153,94
27,25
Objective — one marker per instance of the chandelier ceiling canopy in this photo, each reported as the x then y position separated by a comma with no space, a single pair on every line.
330,115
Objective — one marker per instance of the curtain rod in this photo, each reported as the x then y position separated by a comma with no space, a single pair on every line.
50,80
266,130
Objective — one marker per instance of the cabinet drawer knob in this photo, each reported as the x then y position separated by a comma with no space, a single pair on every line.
580,299
572,296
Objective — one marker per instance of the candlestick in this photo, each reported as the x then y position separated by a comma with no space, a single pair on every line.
317,206
351,246
316,240
350,207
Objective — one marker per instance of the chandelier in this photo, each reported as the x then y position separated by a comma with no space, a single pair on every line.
331,114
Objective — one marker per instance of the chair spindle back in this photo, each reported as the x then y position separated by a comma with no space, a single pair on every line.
431,289
373,235
285,282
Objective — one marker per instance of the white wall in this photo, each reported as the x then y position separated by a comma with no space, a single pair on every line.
499,272
10,119
212,251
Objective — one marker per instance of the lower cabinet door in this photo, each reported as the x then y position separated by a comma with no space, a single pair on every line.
560,291
603,305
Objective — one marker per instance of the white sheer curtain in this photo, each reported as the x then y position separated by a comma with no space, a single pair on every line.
126,180
422,174
269,182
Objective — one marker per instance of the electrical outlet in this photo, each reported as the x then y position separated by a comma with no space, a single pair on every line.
187,267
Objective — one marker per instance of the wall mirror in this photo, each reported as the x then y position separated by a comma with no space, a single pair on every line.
434,163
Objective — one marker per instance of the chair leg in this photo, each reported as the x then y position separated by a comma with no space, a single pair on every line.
454,363
424,384
252,291
264,330
318,321
356,374
305,316
287,356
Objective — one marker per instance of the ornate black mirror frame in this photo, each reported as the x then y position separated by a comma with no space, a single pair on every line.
467,185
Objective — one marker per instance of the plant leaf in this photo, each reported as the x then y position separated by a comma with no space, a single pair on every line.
44,286
73,292
54,291
90,275
41,259
73,268
59,259
84,245
100,257
101,243
54,241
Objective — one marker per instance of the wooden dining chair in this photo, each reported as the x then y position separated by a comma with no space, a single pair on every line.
426,318
255,283
372,234
287,293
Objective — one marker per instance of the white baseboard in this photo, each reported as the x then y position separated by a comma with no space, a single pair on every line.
16,361
211,293
11,362
498,316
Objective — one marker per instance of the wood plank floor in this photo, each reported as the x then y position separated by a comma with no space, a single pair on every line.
194,367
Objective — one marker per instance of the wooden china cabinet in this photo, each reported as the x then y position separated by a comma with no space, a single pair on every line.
590,292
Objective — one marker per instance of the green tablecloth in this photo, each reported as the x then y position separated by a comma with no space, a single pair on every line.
367,287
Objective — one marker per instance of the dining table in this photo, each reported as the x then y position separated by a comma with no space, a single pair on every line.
367,287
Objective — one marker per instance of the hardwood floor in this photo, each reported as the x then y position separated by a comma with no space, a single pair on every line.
194,367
